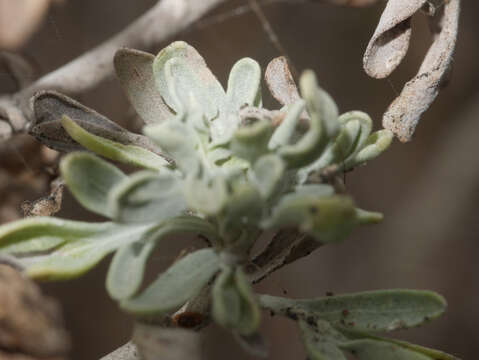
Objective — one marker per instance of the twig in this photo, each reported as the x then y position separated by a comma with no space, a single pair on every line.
166,18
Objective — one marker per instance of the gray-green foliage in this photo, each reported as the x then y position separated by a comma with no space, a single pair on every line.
215,163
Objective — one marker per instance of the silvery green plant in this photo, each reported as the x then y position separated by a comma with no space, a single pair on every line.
217,164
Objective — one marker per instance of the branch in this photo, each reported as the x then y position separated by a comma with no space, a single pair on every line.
165,19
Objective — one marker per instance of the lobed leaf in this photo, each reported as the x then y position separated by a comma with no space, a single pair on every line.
90,180
182,281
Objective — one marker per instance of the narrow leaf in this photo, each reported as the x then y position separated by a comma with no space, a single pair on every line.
90,179
250,142
39,234
77,257
182,281
130,154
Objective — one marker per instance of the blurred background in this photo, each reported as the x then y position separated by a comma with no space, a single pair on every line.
428,189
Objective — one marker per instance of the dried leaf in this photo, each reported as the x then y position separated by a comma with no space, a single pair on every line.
418,94
134,68
280,81
390,41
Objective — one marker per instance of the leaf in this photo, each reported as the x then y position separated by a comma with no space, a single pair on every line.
77,257
324,124
368,349
147,197
430,353
321,340
127,268
49,107
208,195
319,103
285,131
384,310
187,76
90,179
170,136
250,312
327,218
280,81
234,304
134,69
39,234
226,300
376,143
267,174
250,142
182,281
244,85
254,344
390,41
129,154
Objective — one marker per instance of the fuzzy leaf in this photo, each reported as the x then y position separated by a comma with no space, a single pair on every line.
134,69
171,136
244,85
126,271
234,303
368,349
206,195
182,281
267,174
429,353
321,340
90,179
187,76
323,125
39,234
319,103
251,142
147,197
376,143
365,126
285,131
384,310
327,218
129,154
79,255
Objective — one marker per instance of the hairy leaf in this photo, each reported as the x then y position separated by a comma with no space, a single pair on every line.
129,154
182,281
384,310
244,85
321,340
147,197
90,180
126,271
134,69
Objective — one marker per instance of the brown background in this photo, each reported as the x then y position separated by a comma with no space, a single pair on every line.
427,189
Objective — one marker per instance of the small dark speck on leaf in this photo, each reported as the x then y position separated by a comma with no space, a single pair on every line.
345,312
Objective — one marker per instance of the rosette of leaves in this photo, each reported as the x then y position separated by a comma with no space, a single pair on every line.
216,164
